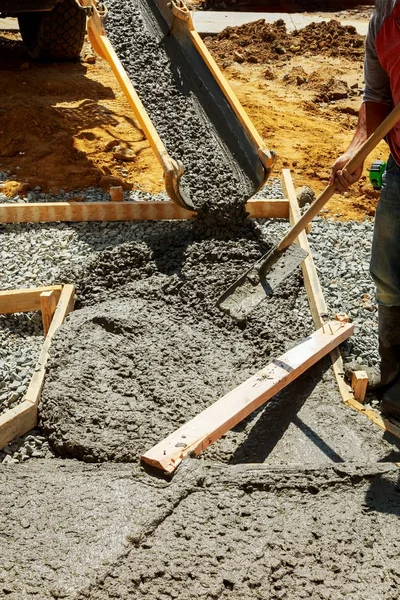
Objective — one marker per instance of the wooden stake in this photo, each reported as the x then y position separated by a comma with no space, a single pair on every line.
64,307
116,193
216,420
47,212
48,304
359,382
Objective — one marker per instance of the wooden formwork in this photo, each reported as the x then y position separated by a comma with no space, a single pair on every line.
216,420
47,212
55,302
22,418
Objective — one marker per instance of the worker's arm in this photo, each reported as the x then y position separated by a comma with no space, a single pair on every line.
377,101
370,116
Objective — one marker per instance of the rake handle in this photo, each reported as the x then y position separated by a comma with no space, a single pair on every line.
381,131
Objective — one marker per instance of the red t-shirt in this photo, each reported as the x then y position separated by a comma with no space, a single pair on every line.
382,62
388,50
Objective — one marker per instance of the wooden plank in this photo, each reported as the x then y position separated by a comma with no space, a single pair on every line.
25,300
64,307
319,309
47,212
374,416
48,305
268,209
217,419
17,421
22,418
102,46
359,382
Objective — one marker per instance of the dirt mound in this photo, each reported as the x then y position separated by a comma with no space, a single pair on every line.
261,42
327,90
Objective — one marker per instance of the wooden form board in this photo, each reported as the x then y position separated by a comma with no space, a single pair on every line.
220,417
22,418
319,310
47,212
25,300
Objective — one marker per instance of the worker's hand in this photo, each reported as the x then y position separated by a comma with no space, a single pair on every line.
340,177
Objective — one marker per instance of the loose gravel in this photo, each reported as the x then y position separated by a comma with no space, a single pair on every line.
21,338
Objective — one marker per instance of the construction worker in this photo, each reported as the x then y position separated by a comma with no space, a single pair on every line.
382,92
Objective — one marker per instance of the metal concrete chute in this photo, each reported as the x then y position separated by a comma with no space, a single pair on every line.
215,94
187,51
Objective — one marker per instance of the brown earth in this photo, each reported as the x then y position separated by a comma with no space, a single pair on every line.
306,133
59,123
261,42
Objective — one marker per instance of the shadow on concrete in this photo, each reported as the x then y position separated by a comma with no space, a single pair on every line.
276,417
383,496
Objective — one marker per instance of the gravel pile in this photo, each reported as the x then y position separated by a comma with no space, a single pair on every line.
32,445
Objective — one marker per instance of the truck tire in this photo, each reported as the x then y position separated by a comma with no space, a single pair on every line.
54,35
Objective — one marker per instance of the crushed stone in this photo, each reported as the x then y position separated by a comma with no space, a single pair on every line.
161,75
21,339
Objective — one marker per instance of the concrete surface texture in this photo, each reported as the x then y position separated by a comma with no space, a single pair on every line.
98,532
62,522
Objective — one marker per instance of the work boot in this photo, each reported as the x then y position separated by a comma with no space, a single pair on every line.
389,350
390,403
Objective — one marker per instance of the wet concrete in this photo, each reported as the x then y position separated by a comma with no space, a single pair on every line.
97,532
63,522
125,372
252,533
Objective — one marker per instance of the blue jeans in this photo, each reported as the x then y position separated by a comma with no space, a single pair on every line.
385,256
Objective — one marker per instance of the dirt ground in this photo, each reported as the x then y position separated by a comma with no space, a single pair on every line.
60,123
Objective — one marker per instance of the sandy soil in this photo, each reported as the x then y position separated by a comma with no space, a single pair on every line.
307,135
59,123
